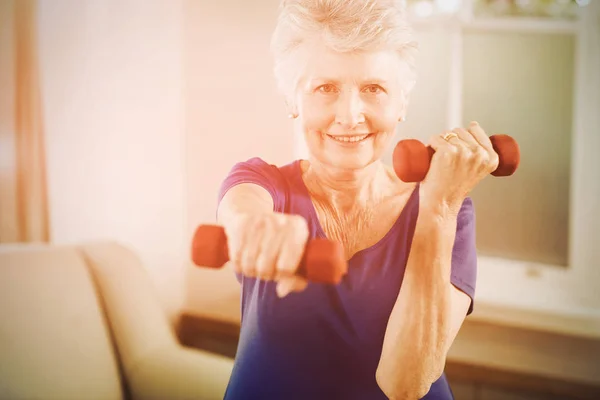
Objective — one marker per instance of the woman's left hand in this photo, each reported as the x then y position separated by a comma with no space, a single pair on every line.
457,166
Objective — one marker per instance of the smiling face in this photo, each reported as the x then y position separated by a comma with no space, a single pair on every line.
349,104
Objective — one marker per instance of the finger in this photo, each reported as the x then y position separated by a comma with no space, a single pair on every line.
439,144
477,154
485,142
284,287
467,137
293,245
480,135
250,249
267,256
455,140
248,262
299,284
290,284
235,242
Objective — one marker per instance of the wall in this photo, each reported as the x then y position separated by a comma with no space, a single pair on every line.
112,87
233,112
147,106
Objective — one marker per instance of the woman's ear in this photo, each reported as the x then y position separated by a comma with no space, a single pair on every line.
403,107
291,108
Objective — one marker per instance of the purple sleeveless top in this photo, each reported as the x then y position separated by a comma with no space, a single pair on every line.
325,342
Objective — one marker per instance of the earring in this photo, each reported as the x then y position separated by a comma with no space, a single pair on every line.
402,119
292,115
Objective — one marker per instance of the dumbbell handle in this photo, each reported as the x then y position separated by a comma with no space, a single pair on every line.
323,260
411,158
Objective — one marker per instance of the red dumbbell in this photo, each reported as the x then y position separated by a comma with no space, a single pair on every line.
411,158
323,261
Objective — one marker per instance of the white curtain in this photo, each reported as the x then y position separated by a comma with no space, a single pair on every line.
23,192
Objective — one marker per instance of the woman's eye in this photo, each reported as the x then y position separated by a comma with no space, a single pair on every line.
373,89
327,88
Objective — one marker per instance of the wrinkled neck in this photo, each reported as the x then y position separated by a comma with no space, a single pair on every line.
347,190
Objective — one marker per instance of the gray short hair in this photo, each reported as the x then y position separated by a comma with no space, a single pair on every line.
344,26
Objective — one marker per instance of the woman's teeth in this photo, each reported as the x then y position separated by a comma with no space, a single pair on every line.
349,139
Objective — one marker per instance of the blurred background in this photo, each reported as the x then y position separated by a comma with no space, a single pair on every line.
119,120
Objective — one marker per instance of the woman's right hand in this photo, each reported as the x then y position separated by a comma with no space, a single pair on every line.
268,246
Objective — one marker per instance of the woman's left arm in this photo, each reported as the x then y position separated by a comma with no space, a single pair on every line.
428,312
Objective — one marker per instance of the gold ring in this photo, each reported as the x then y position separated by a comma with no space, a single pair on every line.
449,135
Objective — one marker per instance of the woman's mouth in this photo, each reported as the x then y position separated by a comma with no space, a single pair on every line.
350,138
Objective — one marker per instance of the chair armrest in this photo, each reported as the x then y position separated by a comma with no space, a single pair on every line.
155,364
181,374
137,319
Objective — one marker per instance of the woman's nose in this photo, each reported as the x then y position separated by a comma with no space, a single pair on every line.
349,110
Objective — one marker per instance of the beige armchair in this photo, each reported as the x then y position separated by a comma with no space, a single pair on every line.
84,322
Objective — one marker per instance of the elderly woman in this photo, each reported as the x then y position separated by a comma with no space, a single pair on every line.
346,70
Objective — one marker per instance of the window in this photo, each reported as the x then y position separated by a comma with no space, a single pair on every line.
511,67
522,84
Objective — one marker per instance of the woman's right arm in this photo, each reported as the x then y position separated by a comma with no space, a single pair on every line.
262,243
